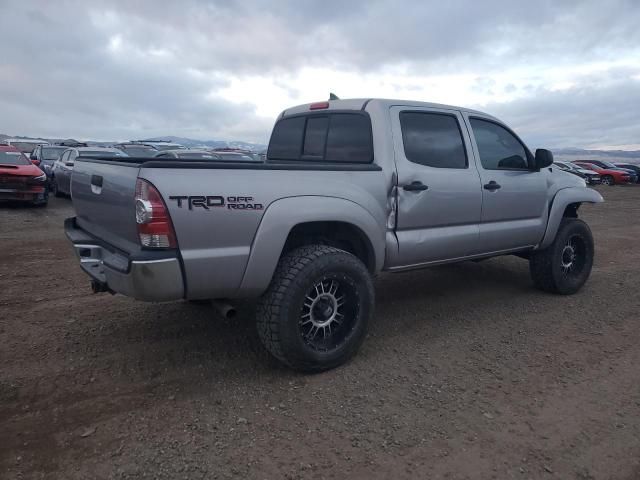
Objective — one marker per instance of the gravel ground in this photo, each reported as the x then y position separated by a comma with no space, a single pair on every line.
468,372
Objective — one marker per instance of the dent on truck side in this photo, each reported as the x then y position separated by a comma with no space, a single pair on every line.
561,200
284,214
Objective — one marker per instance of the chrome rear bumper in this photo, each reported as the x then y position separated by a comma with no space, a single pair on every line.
153,280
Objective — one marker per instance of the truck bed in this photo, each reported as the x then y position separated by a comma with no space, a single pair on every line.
216,207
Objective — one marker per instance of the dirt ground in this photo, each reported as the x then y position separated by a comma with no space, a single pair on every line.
467,373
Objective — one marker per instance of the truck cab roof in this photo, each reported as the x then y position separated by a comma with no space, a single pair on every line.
366,103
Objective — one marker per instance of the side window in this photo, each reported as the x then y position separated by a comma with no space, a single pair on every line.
73,154
499,149
433,140
64,157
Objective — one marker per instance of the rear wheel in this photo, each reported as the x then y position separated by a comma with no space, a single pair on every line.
565,265
608,180
315,313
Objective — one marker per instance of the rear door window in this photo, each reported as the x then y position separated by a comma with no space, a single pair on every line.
433,140
327,137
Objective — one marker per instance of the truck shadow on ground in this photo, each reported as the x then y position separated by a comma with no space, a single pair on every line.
166,337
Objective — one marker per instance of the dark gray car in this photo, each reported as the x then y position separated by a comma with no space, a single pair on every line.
63,166
45,156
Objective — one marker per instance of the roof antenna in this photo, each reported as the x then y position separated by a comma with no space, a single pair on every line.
333,96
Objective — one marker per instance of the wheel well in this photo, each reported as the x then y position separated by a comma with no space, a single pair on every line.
571,210
341,235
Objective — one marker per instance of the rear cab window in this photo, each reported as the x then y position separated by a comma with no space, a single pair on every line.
328,137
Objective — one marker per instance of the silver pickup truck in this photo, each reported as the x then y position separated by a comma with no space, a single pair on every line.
350,188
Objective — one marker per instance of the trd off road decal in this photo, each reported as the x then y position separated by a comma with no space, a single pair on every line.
216,201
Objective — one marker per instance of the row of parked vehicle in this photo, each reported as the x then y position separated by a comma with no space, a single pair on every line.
596,172
31,175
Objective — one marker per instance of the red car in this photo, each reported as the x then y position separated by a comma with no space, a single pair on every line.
20,179
608,176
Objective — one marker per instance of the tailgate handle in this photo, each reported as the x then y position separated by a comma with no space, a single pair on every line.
96,180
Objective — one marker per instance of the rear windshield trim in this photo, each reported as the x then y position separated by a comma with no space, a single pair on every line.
324,113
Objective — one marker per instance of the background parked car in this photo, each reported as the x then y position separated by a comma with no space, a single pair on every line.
608,176
63,166
137,149
630,166
239,157
44,157
26,146
591,177
20,179
161,144
612,166
185,154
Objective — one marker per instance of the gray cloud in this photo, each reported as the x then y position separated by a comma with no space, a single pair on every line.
588,115
121,69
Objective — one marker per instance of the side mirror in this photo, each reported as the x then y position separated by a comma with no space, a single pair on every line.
69,164
544,158
35,161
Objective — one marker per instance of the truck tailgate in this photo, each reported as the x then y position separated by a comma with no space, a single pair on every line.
103,196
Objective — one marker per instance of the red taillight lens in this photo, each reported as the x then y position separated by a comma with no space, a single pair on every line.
155,229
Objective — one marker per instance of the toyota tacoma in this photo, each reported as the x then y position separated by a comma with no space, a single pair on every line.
349,188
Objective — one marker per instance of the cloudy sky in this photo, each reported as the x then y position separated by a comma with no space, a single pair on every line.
562,73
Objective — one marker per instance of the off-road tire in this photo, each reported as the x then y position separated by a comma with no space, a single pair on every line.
279,314
546,266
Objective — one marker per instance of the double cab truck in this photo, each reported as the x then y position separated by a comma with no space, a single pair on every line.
349,188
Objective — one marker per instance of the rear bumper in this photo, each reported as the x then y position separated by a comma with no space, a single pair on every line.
154,276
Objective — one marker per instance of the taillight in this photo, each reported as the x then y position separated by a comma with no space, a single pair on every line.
155,229
319,106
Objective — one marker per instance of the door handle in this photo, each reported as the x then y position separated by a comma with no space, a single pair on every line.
96,180
492,185
415,187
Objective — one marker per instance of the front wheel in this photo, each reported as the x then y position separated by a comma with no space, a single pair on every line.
608,180
564,266
315,313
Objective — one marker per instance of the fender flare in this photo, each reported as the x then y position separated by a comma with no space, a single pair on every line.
562,199
284,214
